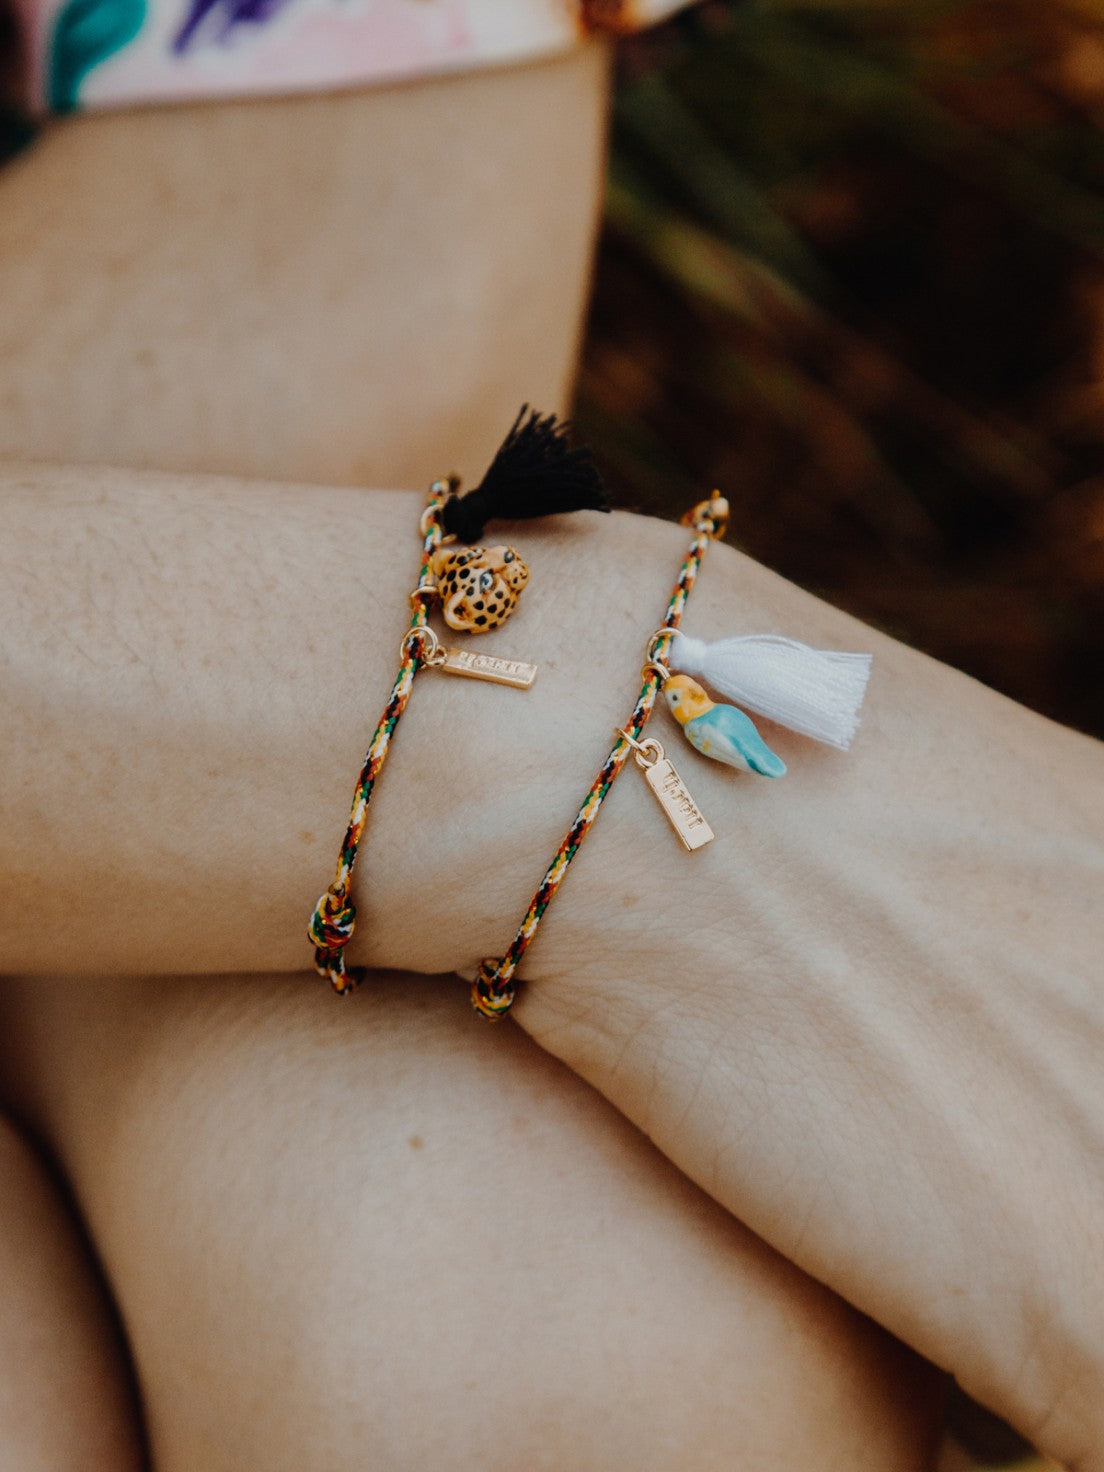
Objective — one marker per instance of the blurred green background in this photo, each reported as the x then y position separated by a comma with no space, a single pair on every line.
853,275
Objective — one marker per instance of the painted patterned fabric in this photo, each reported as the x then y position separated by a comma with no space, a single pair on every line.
96,53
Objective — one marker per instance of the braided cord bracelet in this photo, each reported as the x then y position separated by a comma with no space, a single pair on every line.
535,472
494,987
331,925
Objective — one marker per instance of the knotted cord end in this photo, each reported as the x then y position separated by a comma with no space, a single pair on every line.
492,994
330,965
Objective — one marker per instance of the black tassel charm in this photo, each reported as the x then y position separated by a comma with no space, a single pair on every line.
535,473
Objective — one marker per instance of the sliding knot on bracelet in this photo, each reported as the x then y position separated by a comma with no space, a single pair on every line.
332,922
492,992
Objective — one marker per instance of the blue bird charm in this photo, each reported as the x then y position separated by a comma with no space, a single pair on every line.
719,731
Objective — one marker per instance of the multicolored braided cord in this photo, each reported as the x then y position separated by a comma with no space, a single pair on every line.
494,988
334,917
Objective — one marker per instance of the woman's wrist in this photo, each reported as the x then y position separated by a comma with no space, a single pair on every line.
868,1018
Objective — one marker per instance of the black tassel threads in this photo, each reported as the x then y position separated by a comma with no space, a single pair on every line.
535,473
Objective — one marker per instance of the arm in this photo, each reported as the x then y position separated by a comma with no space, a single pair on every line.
868,1019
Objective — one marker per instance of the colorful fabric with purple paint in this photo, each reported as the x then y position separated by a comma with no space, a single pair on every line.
104,53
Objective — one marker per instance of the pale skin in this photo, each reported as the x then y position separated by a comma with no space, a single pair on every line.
866,1021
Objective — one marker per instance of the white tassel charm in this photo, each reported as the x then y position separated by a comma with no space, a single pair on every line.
816,692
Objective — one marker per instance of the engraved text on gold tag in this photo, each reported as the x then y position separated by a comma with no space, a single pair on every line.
682,811
475,666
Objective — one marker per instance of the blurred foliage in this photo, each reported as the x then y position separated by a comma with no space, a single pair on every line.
853,274
16,130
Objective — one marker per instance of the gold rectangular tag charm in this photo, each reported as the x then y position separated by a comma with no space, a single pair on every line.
475,666
682,811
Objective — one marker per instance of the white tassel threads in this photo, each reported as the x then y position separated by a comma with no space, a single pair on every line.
816,692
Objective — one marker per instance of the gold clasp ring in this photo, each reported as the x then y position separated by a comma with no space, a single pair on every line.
429,652
651,662
645,753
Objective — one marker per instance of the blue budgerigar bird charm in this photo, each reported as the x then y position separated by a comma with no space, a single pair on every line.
720,731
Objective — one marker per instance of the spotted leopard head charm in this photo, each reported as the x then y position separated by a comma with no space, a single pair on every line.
479,586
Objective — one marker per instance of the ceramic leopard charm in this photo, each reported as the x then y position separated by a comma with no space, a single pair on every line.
478,586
